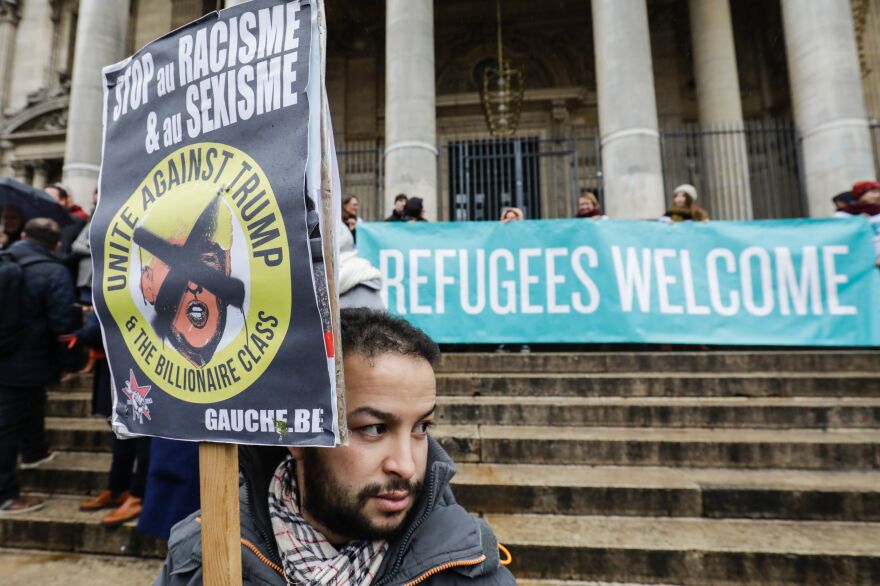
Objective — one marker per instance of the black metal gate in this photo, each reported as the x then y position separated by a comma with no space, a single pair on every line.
484,176
771,161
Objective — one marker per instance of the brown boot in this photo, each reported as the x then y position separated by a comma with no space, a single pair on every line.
127,511
105,500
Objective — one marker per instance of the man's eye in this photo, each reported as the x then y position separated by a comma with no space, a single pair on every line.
374,430
424,426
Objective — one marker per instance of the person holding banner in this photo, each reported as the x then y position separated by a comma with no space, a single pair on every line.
377,511
866,202
684,206
414,210
512,215
588,206
399,205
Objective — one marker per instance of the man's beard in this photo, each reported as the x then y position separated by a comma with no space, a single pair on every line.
338,511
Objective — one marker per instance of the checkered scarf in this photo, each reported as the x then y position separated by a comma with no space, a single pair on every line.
308,558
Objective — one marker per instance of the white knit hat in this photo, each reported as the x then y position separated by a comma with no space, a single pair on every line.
688,189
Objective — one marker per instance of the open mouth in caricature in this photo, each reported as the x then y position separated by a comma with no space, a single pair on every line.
197,313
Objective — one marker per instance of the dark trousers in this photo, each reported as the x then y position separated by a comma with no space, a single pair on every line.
128,471
21,429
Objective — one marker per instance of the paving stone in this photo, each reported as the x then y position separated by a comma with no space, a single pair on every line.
30,568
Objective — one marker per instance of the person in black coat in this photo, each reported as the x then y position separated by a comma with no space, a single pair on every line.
47,313
397,212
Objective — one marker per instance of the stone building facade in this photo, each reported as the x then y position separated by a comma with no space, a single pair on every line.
769,107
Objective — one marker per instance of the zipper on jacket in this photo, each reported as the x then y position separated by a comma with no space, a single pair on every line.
412,529
262,557
446,566
251,507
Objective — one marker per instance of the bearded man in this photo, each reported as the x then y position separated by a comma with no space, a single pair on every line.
377,511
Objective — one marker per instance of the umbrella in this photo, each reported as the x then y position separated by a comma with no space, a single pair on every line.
33,202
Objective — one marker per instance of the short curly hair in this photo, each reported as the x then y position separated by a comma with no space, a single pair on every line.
371,333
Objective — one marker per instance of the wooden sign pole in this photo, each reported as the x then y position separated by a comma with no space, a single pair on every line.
221,525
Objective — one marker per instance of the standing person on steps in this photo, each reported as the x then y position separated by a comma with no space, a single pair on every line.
36,310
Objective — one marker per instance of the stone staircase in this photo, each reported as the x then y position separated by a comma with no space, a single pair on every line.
708,468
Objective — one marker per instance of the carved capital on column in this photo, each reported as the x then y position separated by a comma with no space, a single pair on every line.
10,11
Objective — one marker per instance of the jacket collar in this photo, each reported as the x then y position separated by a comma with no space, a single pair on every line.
22,249
258,463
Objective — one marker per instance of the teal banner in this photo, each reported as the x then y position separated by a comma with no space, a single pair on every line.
775,282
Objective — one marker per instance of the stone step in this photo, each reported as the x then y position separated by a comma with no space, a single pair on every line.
584,490
581,583
771,412
697,448
690,551
674,492
61,526
716,412
732,361
68,404
760,384
79,434
688,447
71,473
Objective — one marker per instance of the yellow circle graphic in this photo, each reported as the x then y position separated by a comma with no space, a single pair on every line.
197,275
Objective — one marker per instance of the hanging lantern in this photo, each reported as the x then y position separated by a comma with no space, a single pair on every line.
503,90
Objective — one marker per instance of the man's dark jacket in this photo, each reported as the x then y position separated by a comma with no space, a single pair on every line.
47,311
442,544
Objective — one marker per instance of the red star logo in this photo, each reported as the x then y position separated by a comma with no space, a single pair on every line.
137,396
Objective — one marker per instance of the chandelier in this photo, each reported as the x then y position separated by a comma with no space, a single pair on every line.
503,90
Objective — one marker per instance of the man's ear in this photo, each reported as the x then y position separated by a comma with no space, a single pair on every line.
297,453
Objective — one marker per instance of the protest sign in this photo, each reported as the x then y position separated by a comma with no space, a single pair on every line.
207,242
780,282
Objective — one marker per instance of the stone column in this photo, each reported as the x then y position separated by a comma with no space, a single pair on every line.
410,104
829,104
725,155
100,41
41,175
9,17
633,176
19,171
